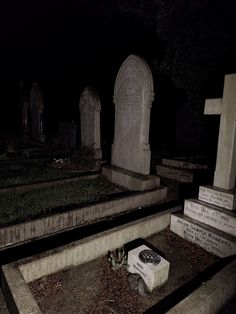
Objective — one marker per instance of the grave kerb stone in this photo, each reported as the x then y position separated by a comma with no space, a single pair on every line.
211,215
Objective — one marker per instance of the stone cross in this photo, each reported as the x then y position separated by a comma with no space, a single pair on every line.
225,170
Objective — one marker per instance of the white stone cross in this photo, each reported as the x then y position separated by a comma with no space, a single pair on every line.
225,170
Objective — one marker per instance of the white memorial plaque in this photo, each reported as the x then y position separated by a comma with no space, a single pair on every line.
217,197
211,215
153,268
205,237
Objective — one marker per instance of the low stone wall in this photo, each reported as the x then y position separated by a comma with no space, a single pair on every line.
15,234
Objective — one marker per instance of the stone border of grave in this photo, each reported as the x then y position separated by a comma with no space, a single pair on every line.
22,232
39,185
16,276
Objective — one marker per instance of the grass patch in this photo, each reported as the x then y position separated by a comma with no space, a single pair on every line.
24,206
29,172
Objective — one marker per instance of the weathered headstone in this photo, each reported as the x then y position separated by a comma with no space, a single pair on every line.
153,268
90,108
133,96
36,107
68,134
210,221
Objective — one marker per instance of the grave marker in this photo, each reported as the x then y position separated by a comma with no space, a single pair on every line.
90,108
225,171
36,107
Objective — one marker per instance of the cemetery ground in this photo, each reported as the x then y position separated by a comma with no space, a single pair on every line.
94,287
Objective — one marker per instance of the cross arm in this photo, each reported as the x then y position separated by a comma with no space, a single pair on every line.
213,106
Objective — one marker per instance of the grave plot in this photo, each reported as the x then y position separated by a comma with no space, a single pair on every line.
28,172
80,274
95,288
26,215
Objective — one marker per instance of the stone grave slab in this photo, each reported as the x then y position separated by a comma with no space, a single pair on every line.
153,268
183,164
217,242
169,172
217,196
211,215
131,180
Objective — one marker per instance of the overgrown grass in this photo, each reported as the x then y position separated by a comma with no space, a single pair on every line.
24,206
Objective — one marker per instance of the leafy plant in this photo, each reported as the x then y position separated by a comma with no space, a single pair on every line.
118,258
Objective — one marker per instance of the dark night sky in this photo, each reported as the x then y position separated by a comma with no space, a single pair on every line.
66,45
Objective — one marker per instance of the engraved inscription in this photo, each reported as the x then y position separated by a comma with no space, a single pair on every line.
208,240
225,200
210,216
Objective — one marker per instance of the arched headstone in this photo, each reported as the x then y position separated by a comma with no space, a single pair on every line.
133,96
90,108
36,108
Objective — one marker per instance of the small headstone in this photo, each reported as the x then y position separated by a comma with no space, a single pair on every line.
153,268
90,108
36,107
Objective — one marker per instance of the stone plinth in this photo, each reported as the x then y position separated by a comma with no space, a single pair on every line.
179,175
211,215
210,239
183,164
219,197
154,275
131,180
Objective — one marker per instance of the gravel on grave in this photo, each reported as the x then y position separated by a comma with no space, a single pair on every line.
95,288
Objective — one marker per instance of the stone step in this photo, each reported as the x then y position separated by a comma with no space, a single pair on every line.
217,196
211,215
181,175
183,164
212,240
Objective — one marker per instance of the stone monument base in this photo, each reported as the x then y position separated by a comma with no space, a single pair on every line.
212,240
131,180
154,272
211,215
217,196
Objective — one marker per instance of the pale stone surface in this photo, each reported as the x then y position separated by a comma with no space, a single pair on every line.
218,197
225,171
133,96
183,164
90,108
180,175
131,180
212,240
36,107
211,215
153,275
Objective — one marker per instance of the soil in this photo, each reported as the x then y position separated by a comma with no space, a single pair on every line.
95,288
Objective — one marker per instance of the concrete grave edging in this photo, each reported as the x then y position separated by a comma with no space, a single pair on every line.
16,275
22,232
212,295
